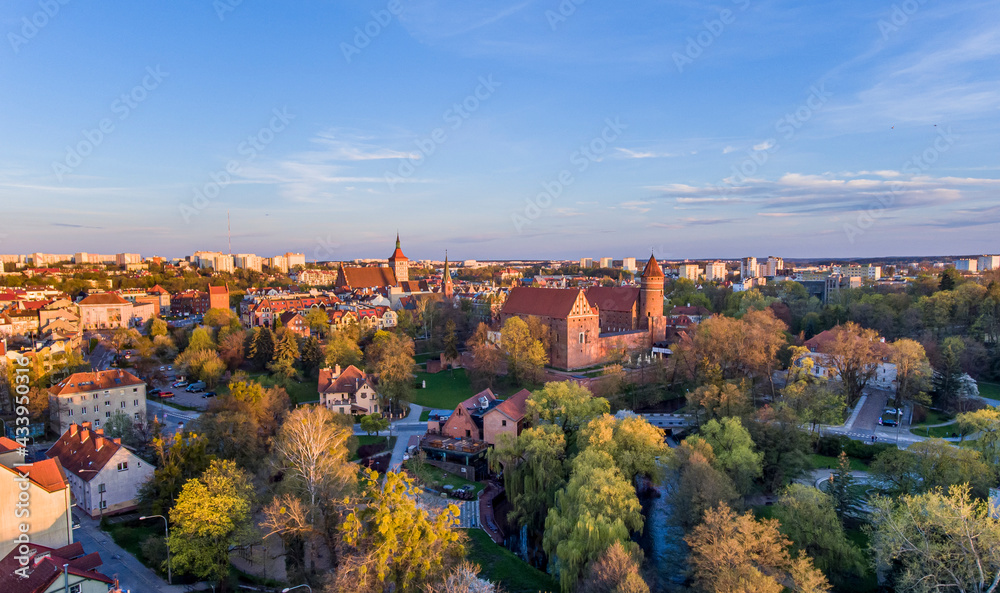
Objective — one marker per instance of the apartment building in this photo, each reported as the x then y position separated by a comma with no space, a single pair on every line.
94,397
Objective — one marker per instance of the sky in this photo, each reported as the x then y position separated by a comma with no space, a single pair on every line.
525,129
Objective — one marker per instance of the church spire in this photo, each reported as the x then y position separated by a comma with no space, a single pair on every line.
397,239
447,288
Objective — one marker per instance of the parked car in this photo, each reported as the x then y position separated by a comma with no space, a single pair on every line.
153,391
163,368
210,394
166,394
466,492
889,417
179,384
196,387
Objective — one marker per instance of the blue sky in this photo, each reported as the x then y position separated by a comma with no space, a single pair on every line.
539,128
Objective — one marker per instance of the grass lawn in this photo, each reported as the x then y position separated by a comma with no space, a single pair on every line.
425,356
935,417
437,478
827,462
938,432
445,390
425,415
500,565
989,390
131,534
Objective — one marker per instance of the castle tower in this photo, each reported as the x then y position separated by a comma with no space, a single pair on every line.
400,264
650,293
447,288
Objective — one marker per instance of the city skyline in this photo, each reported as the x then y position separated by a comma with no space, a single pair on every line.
528,130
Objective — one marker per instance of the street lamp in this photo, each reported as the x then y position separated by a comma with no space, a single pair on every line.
287,589
166,533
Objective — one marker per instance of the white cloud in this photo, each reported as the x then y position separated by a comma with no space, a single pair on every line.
765,145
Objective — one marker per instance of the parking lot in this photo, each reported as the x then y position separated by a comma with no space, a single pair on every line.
181,397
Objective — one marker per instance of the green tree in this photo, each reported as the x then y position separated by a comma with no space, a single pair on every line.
734,452
342,350
808,518
394,542
947,381
526,356
634,444
217,318
913,372
597,507
180,458
157,327
450,340
930,464
813,402
985,426
374,423
937,541
312,355
719,401
201,339
262,347
211,517
566,404
391,357
842,489
318,322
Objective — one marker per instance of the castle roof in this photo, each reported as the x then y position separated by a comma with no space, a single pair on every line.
397,255
652,269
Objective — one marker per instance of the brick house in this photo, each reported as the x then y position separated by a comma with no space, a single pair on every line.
508,417
218,297
351,391
103,475
295,323
483,417
189,302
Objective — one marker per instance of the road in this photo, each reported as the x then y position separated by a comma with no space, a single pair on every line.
403,430
117,563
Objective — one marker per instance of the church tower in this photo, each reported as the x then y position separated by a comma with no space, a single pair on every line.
650,293
447,288
400,264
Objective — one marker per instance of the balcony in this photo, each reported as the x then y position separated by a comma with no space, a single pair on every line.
460,446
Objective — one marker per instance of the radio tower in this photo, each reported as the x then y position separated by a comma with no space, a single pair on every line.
229,232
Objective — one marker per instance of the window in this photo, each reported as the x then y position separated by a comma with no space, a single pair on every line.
123,466
123,405
107,404
97,423
104,504
74,588
135,390
581,337
97,408
107,393
107,414
135,402
101,489
69,412
96,396
83,411
468,433
503,423
137,418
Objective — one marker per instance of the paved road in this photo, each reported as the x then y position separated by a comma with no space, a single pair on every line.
403,429
118,563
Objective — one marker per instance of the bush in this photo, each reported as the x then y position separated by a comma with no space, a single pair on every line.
832,445
154,550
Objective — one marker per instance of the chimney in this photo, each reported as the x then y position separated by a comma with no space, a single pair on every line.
117,441
73,429
99,431
336,370
98,443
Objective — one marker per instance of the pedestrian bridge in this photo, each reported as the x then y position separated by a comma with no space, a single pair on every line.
668,422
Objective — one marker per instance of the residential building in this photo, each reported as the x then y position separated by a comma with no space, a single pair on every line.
189,302
885,372
587,262
315,277
220,262
774,266
295,323
248,261
748,267
988,262
66,569
104,476
295,260
11,452
94,397
689,271
628,264
872,273
605,262
218,297
124,259
967,265
351,391
50,521
278,263
108,310
715,271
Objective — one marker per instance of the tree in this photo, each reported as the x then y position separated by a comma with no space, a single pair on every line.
121,426
181,458
391,541
813,402
201,339
948,380
374,423
342,350
854,353
318,322
699,485
566,404
217,318
842,490
784,448
913,372
487,359
286,352
464,578
231,349
310,452
937,541
212,516
614,571
808,518
262,347
634,444
157,327
450,340
312,355
736,554
597,507
930,464
526,356
242,424
986,425
734,452
719,401
391,357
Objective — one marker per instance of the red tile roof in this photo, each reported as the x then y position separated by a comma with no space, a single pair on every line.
613,298
542,302
157,290
515,406
473,402
8,445
104,298
87,382
349,381
652,269
370,277
218,290
45,567
46,474
82,448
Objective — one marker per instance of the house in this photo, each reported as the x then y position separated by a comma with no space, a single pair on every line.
296,323
107,310
507,418
218,297
95,397
484,417
189,302
351,391
884,373
50,522
103,475
44,569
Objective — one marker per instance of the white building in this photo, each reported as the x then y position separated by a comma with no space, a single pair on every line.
628,263
50,522
103,475
219,262
124,259
295,259
689,271
606,262
774,264
248,261
586,262
278,263
95,397
748,267
967,265
715,271
988,262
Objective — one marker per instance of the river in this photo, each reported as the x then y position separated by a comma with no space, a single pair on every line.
662,541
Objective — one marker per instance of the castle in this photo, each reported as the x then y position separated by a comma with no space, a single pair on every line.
587,326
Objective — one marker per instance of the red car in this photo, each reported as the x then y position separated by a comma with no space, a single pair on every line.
166,394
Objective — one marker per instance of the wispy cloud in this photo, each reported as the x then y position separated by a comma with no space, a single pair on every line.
632,154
